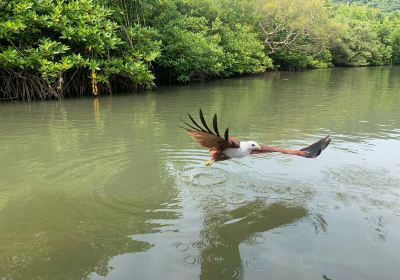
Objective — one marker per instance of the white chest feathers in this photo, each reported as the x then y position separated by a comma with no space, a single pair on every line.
236,152
244,150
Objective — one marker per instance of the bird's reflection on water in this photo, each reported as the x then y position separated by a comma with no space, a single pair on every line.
225,231
89,189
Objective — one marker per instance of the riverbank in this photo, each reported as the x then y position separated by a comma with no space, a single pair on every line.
176,85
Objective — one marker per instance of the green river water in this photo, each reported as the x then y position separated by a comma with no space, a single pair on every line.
113,189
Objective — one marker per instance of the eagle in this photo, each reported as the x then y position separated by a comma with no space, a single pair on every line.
224,147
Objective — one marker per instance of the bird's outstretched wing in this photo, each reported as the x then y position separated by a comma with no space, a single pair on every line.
208,138
311,151
316,149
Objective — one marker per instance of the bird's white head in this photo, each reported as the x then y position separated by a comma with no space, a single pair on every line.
249,146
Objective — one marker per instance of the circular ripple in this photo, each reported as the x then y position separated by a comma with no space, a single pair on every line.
181,246
191,260
255,239
118,202
209,177
237,272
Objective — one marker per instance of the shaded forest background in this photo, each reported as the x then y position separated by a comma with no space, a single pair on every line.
58,48
384,5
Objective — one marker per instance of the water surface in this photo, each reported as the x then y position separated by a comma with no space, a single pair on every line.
113,189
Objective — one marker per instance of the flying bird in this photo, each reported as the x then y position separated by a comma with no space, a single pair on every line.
224,147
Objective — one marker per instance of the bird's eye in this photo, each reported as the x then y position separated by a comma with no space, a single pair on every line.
253,145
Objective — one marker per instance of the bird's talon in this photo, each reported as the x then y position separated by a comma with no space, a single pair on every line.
209,162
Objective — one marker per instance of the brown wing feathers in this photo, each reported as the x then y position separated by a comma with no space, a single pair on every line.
205,136
215,125
195,123
203,121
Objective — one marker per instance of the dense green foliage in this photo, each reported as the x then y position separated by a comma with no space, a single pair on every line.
54,48
49,48
313,34
203,39
384,5
296,33
361,39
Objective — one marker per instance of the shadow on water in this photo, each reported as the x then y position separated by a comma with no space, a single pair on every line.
225,231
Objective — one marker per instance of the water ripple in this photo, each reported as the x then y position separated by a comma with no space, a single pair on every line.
208,177
181,246
191,260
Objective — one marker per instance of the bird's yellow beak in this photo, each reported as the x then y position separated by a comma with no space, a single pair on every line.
258,147
209,162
